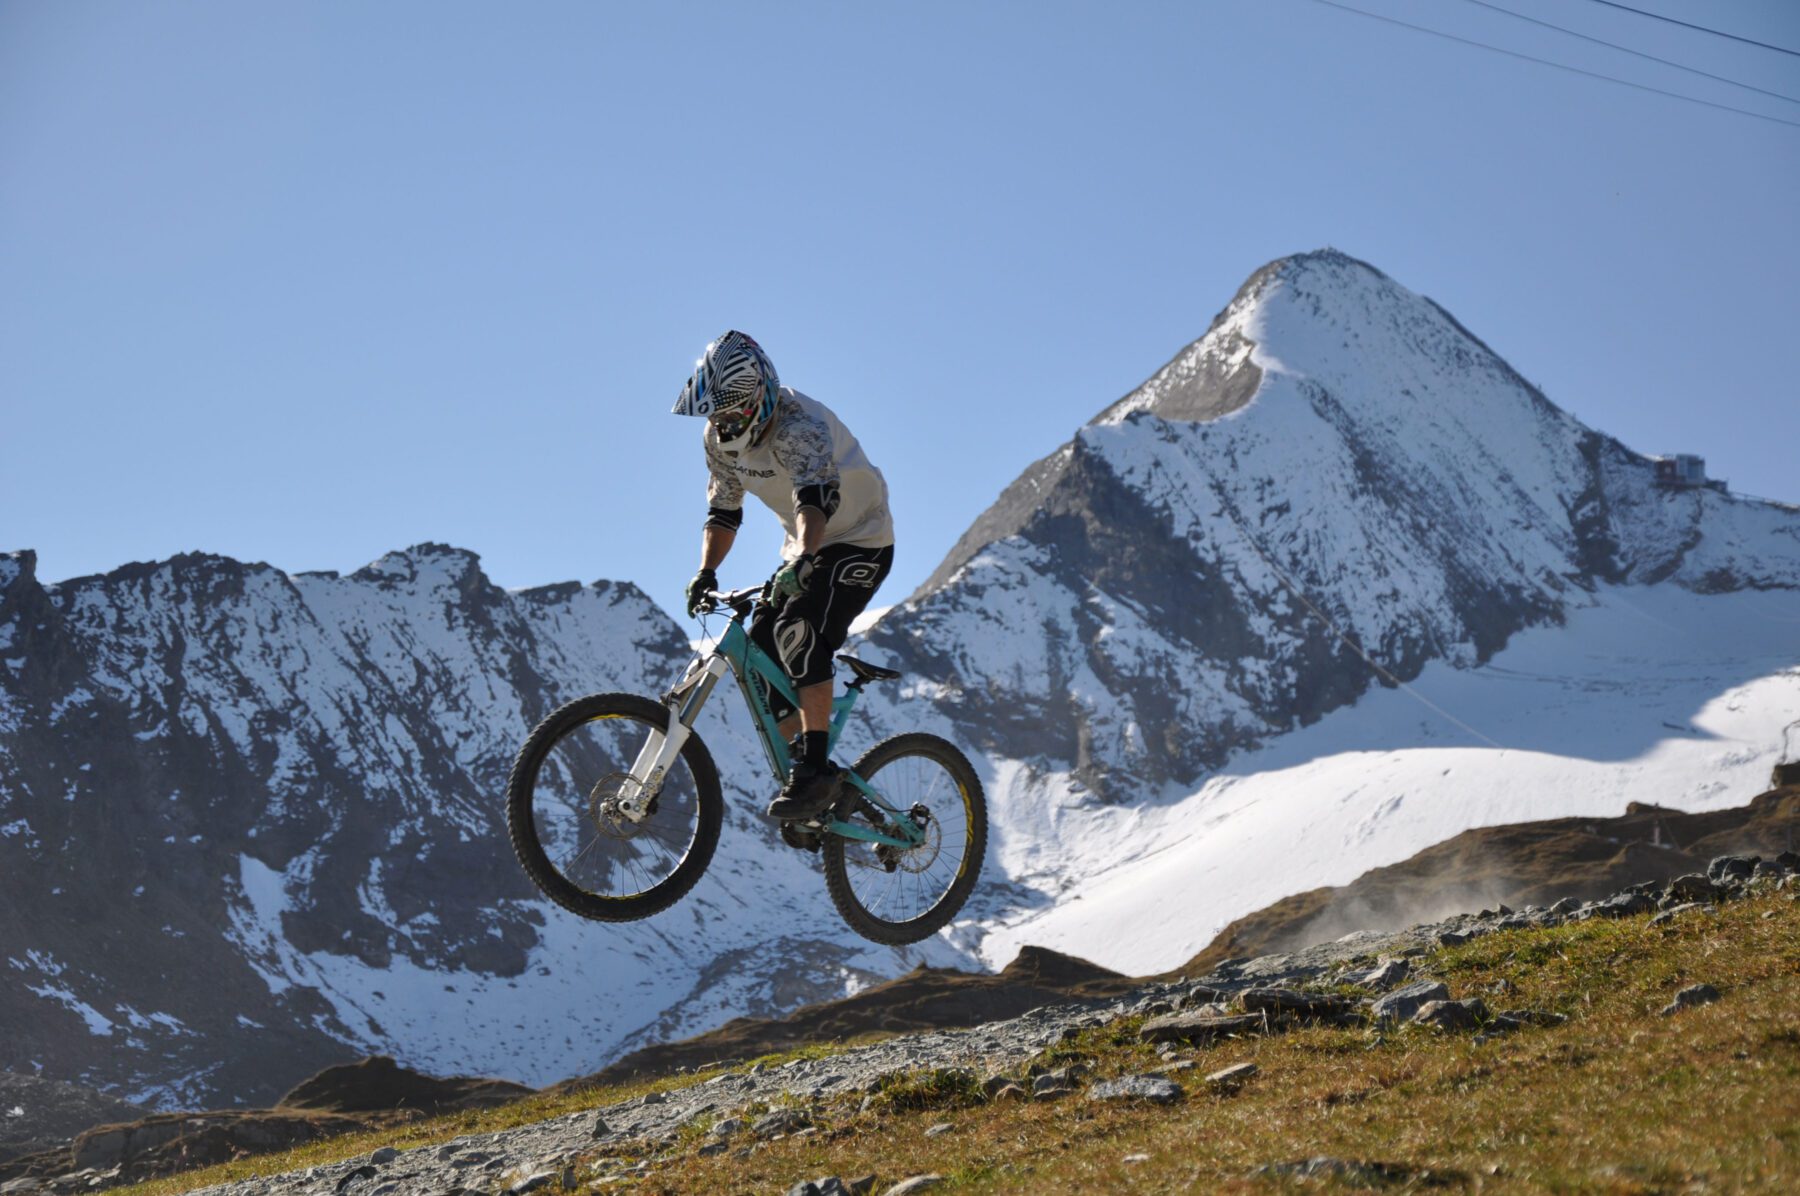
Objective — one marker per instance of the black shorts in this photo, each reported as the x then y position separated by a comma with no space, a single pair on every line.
803,633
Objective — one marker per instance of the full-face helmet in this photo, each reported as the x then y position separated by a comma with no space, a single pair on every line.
734,385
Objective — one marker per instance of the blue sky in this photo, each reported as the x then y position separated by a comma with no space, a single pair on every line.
304,283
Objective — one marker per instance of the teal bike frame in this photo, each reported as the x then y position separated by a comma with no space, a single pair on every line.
737,654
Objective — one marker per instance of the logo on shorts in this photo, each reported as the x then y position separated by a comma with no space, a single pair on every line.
793,644
858,573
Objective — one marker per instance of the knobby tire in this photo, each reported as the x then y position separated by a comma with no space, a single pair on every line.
522,827
937,916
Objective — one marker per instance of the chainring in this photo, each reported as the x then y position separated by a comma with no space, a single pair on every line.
795,835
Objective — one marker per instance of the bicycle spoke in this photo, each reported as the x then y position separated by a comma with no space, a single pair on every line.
587,838
576,858
898,886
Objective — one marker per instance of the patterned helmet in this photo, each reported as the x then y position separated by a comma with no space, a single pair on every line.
734,385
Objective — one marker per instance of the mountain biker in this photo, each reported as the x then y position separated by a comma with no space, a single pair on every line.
795,455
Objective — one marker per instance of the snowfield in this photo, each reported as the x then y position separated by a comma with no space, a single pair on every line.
1651,695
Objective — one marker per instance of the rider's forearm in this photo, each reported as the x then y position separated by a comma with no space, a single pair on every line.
810,522
715,542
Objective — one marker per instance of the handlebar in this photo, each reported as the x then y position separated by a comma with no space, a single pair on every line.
740,602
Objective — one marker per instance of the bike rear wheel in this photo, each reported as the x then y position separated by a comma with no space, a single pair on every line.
896,896
568,831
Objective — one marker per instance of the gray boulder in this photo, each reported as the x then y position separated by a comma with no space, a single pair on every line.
1385,975
1203,994
1292,1002
1196,1026
1452,1015
1620,905
1693,888
1731,869
1158,1090
780,1121
1690,997
826,1185
1401,1004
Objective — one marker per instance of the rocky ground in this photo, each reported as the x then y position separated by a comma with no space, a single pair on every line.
1367,980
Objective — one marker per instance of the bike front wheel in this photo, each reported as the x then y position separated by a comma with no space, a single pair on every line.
896,896
570,832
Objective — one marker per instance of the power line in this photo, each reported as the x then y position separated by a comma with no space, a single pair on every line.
1675,95
1627,49
1230,510
1702,28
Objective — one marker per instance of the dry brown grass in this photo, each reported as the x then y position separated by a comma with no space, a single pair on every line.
1617,1100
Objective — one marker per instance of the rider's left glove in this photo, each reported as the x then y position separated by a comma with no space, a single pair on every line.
704,583
793,578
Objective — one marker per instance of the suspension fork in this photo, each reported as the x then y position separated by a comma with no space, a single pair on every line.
657,756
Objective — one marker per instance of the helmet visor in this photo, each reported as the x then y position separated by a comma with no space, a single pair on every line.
732,423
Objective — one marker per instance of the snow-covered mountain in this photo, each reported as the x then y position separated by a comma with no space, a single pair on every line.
1333,489
250,822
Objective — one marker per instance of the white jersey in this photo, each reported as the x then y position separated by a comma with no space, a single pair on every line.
805,446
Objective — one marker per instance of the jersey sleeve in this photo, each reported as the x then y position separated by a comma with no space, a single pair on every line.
803,448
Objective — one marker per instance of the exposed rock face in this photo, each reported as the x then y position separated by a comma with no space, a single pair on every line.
36,1114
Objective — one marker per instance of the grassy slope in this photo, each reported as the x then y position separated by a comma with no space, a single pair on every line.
1616,1100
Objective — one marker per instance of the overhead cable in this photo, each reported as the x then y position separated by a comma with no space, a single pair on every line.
1226,505
1702,28
1674,95
1639,53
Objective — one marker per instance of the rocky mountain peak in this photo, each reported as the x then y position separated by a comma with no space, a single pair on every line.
1324,315
1384,354
426,563
1335,485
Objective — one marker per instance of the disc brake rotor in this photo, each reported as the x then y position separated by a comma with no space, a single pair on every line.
913,859
603,806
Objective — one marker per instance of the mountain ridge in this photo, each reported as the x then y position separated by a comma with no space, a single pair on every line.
287,781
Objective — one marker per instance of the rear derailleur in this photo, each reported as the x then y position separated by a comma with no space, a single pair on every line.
890,856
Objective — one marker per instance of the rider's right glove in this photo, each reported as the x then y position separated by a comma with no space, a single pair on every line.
793,578
704,582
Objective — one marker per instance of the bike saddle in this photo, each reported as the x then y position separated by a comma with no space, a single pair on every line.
868,672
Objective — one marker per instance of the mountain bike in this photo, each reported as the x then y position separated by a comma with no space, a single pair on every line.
614,805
